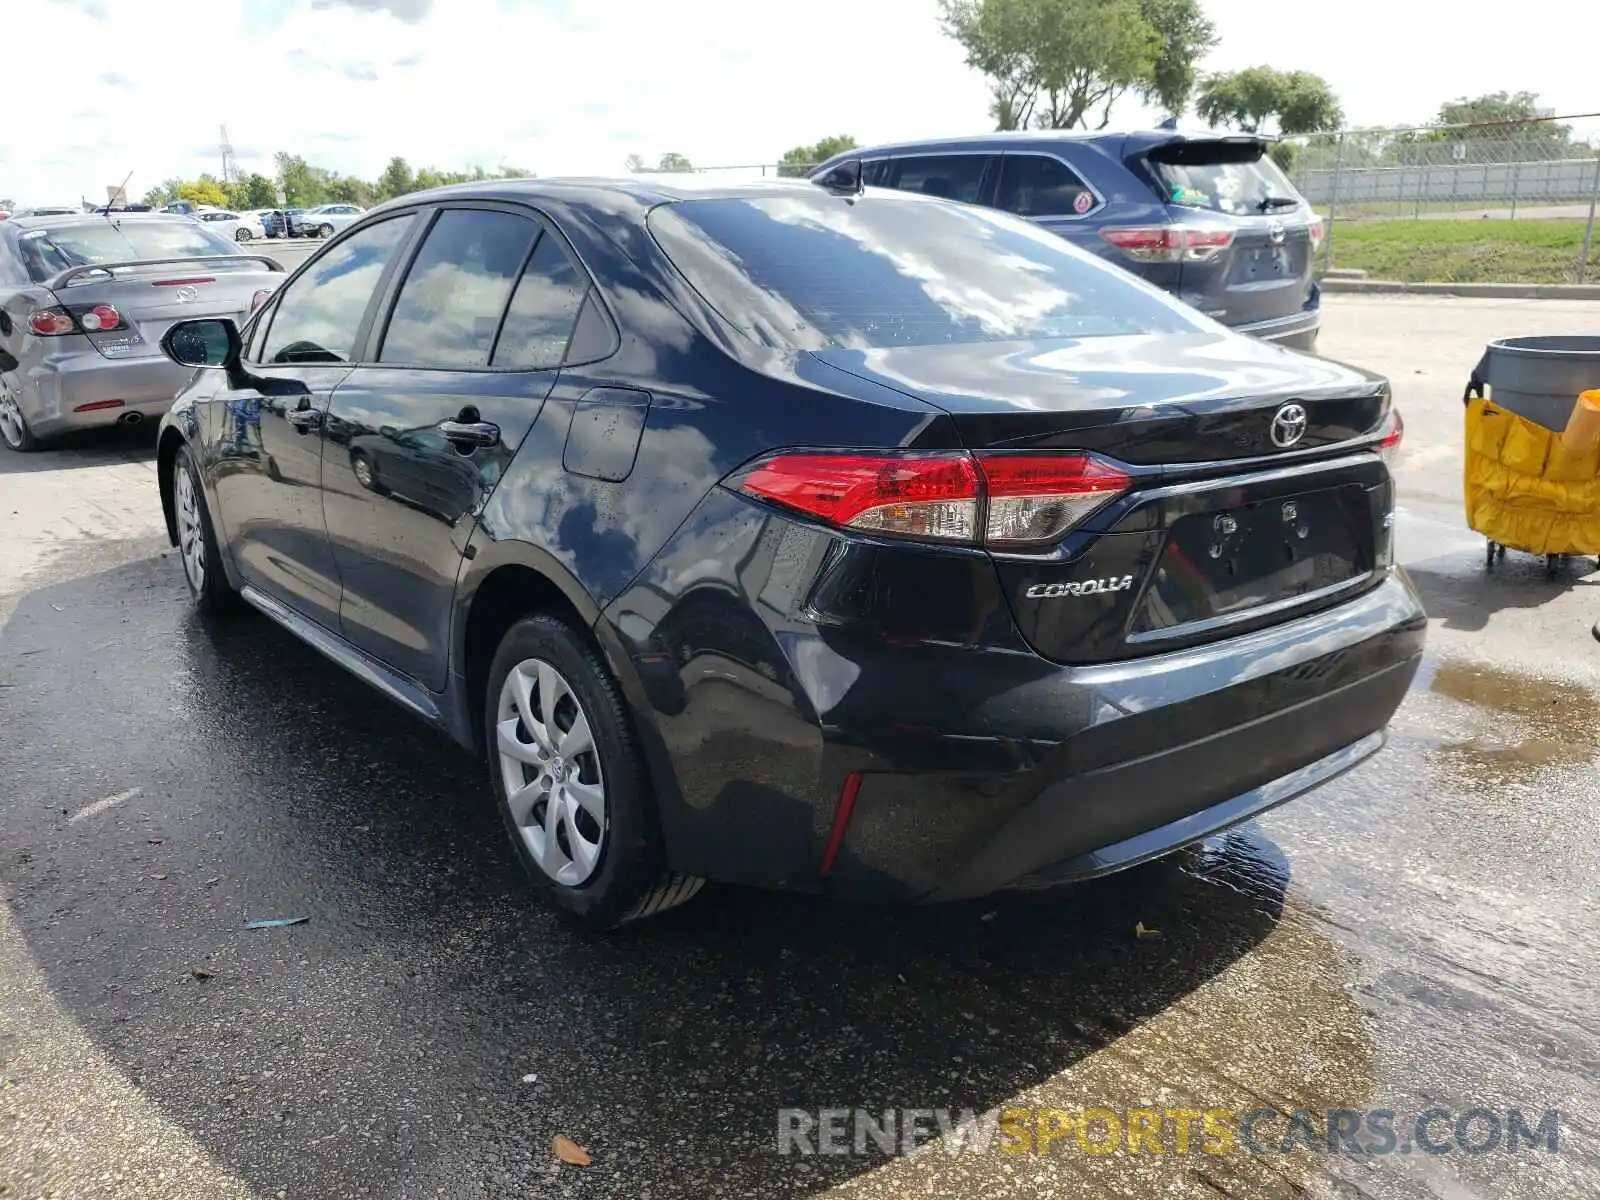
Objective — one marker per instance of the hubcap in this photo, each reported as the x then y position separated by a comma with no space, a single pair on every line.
363,473
191,534
11,425
551,772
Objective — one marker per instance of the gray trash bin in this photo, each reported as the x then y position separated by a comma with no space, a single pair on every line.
1539,378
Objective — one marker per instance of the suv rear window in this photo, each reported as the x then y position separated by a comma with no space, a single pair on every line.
54,249
1222,177
808,271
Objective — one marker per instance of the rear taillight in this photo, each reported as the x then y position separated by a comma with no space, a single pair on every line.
1000,499
1316,233
1169,243
1394,432
259,299
100,319
1037,498
51,322
922,496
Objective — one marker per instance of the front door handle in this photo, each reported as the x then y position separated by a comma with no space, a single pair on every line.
470,433
304,418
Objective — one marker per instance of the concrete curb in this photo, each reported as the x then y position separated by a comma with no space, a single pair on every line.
1496,291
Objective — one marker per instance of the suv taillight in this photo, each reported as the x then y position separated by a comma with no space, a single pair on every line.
999,499
1169,243
1316,233
1394,432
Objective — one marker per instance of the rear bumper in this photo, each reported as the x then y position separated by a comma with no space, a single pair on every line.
980,766
55,389
1298,332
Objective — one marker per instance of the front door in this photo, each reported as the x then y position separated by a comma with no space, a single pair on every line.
266,456
416,442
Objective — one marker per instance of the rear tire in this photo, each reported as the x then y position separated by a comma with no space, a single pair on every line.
242,235
570,780
14,431
325,231
197,540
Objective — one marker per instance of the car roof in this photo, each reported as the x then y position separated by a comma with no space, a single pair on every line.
1129,141
65,221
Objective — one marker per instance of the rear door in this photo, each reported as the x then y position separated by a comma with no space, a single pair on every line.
1265,272
1044,188
419,437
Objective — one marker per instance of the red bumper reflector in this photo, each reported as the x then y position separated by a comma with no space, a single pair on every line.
97,405
841,820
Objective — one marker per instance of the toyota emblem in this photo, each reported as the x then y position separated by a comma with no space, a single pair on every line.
185,295
1288,426
1275,232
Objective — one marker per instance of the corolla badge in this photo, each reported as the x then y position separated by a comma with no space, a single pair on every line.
1289,426
1089,587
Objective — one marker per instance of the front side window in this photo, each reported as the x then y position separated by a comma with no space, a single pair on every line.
948,176
454,296
1036,185
812,271
319,315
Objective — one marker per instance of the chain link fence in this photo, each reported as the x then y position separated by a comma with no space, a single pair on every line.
1545,170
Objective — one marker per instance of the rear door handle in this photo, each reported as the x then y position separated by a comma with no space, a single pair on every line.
304,418
470,433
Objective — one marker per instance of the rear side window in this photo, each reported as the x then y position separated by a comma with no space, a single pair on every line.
53,249
449,308
948,176
1222,177
320,312
1039,185
809,271
543,311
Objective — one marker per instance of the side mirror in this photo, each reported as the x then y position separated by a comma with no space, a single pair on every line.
207,342
846,177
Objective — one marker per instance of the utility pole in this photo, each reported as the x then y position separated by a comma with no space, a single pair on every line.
230,168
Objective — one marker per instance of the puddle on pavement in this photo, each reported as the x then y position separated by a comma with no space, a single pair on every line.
1530,725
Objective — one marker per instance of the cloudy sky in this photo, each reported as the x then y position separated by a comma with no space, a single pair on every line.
99,88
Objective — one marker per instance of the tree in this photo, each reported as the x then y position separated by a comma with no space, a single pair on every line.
1510,122
304,186
796,161
346,189
1186,37
1058,63
205,190
396,179
1301,102
673,161
163,194
259,191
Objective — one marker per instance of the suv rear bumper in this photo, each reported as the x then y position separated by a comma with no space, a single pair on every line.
1298,332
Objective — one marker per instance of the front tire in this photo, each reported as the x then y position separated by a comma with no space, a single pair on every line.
197,540
570,779
242,235
325,231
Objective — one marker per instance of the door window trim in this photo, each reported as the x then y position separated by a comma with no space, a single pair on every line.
389,291
1099,198
988,181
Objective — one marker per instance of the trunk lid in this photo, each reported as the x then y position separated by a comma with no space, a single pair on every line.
151,297
1222,530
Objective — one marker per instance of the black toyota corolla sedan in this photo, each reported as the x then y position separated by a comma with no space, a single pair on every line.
807,537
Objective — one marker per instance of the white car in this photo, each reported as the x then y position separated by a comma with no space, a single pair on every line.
237,227
328,219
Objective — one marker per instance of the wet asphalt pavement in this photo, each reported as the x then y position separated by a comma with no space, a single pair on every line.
1420,933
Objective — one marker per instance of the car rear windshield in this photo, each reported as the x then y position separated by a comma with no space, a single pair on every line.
54,249
1238,181
808,271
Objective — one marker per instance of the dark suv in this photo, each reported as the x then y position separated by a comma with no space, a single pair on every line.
1209,218
851,542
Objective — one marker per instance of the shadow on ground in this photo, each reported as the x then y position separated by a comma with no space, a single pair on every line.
433,1025
92,448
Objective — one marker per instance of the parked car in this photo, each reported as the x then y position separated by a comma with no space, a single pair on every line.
49,210
328,219
1208,217
859,543
236,227
84,301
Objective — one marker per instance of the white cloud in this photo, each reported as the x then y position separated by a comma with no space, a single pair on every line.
575,86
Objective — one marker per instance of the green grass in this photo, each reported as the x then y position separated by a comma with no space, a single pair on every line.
1480,251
